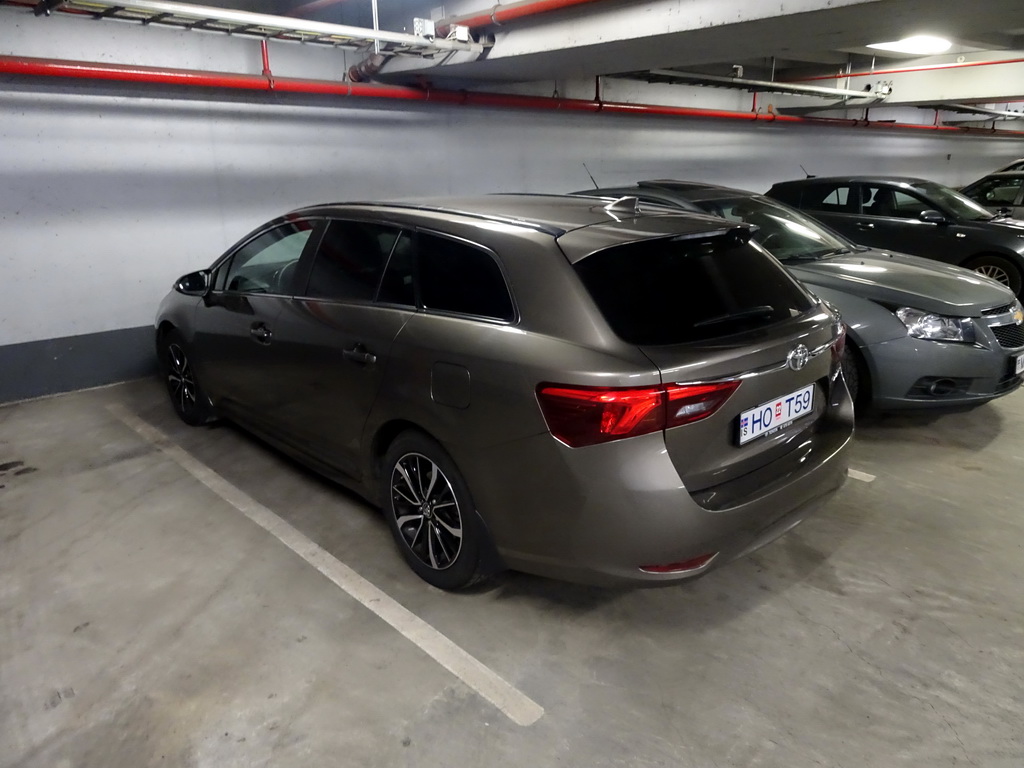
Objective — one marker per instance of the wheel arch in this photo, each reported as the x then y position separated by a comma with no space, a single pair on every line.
1013,258
383,438
165,327
490,560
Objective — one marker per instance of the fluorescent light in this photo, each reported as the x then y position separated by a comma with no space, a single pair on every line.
921,45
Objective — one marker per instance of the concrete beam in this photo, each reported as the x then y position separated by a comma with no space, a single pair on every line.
987,77
615,37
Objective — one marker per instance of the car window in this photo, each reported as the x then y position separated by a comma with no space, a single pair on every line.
267,263
894,203
457,277
673,291
350,260
994,192
398,284
788,234
952,202
829,198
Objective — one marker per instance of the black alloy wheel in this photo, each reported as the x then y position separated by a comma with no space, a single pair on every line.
183,388
430,512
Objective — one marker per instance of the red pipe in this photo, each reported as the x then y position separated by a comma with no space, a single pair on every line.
23,66
922,68
266,59
504,13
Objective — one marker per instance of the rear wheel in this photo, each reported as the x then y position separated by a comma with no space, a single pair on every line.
430,512
187,396
999,269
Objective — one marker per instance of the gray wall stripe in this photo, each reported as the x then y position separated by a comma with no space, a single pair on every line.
47,367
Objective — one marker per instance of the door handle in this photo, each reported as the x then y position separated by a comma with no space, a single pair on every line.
865,225
358,354
260,333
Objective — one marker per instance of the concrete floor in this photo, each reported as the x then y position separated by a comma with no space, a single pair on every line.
144,621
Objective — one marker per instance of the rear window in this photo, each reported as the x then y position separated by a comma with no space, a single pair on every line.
675,291
829,198
457,277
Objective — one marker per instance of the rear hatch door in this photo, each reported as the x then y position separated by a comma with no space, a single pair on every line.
707,307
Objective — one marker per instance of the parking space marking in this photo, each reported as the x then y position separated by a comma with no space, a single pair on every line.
856,474
521,709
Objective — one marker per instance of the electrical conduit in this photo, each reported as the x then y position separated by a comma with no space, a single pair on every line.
33,67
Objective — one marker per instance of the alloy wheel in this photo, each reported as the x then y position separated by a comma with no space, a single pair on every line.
426,511
995,272
181,383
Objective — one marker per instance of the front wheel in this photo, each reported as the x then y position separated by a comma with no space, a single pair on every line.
187,396
430,512
856,375
999,269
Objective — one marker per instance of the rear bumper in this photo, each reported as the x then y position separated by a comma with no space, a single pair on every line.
916,373
596,515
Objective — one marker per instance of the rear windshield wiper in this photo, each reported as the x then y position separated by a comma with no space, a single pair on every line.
760,311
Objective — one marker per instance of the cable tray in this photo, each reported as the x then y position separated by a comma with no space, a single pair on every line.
199,17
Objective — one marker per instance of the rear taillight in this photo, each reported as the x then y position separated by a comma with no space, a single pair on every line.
580,416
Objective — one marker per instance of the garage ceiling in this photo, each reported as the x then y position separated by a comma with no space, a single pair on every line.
812,41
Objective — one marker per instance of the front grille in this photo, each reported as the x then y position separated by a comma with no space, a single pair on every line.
998,310
1010,336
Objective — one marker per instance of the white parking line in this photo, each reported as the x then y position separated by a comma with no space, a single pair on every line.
858,475
521,709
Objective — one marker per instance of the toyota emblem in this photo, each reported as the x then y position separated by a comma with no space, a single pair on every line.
798,358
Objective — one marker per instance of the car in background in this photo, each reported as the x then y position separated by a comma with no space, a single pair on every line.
1016,165
914,216
999,192
920,333
540,382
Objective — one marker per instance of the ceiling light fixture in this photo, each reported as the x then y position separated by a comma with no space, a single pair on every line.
921,45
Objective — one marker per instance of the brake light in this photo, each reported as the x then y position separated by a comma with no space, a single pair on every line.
580,416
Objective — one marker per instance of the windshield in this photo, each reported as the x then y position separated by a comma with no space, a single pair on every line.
960,206
789,235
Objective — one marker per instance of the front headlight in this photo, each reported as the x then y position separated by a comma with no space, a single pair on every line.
925,325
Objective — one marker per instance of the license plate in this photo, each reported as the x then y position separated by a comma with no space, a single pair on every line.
775,414
1018,364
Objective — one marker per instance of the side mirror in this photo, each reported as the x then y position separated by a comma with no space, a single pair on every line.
932,217
194,283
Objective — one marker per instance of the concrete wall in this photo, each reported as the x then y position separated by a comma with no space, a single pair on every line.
107,198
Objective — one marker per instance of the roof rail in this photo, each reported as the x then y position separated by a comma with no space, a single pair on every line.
547,229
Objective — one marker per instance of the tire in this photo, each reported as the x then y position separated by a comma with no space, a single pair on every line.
999,269
187,396
855,372
430,512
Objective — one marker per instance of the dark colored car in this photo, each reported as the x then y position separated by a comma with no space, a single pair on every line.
914,216
921,334
999,193
1016,165
537,382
